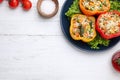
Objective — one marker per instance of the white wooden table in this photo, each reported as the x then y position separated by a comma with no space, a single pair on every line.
33,48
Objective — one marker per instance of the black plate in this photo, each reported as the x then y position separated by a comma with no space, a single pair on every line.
65,24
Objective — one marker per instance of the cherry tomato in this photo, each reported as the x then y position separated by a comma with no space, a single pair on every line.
26,4
1,1
23,0
116,61
13,3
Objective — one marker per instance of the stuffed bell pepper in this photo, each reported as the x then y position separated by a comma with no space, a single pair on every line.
108,24
82,27
93,7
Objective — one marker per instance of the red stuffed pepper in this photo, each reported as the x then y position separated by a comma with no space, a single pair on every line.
108,24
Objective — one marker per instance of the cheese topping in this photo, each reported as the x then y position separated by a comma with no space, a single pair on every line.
110,23
99,5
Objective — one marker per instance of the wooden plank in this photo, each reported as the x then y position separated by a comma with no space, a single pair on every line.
18,21
51,58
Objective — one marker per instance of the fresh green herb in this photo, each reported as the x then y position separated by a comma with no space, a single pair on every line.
91,27
104,3
91,31
90,24
74,8
115,5
81,30
98,41
101,5
92,8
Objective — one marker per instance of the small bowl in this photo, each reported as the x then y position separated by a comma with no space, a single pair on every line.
116,61
47,15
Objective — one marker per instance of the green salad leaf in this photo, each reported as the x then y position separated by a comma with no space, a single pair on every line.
115,5
98,41
74,8
94,44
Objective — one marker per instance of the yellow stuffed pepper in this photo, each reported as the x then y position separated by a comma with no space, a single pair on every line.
93,7
82,27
